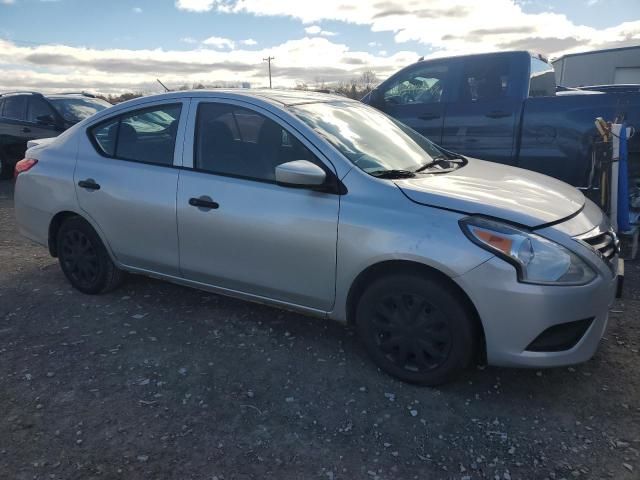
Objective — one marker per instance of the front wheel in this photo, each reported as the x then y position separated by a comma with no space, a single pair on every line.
84,259
416,329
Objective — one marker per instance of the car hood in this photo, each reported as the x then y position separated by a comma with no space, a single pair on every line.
485,188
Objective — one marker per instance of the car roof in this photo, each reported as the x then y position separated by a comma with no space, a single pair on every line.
279,97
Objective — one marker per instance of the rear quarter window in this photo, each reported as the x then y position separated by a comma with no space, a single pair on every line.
147,135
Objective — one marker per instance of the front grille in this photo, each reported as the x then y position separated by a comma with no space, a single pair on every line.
605,243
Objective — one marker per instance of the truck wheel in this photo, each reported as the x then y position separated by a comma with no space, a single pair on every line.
416,329
84,259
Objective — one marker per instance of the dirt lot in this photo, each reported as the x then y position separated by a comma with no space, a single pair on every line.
157,381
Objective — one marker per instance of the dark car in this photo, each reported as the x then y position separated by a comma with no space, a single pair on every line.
27,116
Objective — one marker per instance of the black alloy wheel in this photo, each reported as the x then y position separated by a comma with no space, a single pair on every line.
80,259
413,333
417,328
84,258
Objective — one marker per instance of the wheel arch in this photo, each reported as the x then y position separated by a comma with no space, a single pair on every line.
56,222
390,267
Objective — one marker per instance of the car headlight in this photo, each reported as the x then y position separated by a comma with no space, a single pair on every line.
537,260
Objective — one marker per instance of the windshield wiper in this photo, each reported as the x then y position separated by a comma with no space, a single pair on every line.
455,159
430,164
392,173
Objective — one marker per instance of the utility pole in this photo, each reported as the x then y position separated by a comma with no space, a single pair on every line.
268,59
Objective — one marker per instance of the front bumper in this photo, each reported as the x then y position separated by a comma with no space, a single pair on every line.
514,314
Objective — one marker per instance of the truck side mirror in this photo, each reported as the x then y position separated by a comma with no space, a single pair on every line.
376,98
46,120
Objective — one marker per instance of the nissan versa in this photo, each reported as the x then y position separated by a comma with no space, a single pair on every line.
327,206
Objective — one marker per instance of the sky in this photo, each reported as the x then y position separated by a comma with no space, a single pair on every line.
114,46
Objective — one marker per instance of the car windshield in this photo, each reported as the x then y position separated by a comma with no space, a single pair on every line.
74,110
368,138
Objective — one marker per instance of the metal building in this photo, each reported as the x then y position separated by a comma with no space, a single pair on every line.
599,67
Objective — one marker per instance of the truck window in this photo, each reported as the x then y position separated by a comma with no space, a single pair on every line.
424,84
542,81
14,107
485,78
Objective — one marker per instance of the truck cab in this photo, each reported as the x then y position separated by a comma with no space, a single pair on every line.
502,107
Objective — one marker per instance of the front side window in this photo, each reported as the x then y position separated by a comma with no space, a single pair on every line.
485,79
39,111
147,135
422,85
14,107
367,137
74,110
239,142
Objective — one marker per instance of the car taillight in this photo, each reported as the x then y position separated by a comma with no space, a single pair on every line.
24,165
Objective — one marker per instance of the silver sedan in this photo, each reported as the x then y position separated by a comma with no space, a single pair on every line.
326,206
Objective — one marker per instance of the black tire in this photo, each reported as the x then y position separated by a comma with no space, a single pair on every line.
416,329
84,259
6,170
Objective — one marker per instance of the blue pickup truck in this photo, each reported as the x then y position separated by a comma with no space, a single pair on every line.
504,107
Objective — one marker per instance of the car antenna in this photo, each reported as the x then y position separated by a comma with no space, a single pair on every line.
163,85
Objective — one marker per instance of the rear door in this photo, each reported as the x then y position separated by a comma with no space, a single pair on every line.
417,97
482,121
126,178
14,130
256,237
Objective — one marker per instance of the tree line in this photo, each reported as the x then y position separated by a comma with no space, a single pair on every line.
355,88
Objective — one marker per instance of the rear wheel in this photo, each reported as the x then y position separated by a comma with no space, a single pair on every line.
84,259
5,169
416,329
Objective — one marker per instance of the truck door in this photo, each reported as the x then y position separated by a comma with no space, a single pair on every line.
416,97
482,121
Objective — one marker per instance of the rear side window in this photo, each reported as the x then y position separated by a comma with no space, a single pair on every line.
239,142
542,81
14,107
485,79
147,136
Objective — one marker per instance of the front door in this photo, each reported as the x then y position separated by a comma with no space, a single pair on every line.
41,119
241,231
482,122
126,180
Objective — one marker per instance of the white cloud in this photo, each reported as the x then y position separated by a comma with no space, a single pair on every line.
449,26
7,2
316,30
195,5
59,67
188,40
374,44
249,42
219,42
137,10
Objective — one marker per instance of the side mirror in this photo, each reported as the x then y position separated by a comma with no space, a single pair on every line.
47,120
300,173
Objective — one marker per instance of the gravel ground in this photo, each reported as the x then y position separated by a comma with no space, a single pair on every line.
158,381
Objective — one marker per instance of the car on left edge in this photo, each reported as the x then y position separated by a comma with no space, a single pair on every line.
26,116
